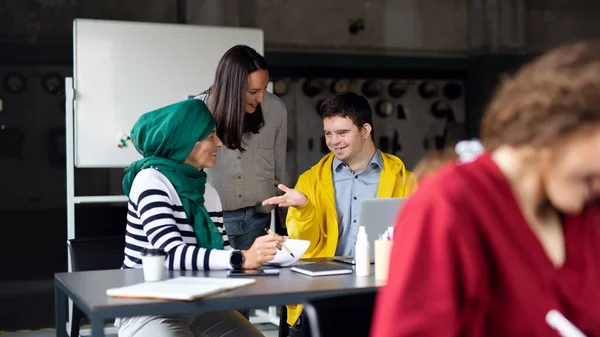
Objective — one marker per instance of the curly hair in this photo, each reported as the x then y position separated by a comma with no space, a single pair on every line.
547,100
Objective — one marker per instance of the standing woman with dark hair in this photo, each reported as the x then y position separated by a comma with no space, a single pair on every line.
252,124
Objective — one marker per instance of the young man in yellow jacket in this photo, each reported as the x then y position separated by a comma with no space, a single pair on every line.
324,206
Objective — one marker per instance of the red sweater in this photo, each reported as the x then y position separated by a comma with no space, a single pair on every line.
466,263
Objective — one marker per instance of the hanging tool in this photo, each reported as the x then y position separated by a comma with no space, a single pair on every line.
396,145
384,143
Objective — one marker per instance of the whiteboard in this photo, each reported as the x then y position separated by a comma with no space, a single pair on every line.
124,69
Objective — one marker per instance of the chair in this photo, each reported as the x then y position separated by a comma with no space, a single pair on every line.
348,315
284,329
94,254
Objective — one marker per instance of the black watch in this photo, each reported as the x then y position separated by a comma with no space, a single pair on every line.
236,259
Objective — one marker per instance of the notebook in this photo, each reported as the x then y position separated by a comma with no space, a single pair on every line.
321,269
376,215
181,288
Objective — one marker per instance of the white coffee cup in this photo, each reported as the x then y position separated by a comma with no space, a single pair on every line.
153,261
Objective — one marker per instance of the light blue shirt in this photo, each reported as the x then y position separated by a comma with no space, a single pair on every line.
350,189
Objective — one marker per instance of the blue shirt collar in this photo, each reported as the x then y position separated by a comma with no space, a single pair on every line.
376,161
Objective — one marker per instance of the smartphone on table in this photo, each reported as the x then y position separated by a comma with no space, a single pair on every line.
253,272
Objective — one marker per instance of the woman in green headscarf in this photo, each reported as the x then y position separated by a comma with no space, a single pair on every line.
172,208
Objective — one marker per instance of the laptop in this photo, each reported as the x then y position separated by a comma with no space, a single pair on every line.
376,215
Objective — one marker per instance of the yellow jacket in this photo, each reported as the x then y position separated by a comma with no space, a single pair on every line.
317,221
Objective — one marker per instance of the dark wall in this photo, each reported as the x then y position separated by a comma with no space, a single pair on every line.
484,73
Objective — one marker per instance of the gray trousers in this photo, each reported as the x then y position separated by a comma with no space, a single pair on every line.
210,324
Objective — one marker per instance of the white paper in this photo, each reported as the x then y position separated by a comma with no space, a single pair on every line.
180,288
284,259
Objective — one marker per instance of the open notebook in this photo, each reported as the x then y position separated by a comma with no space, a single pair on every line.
181,288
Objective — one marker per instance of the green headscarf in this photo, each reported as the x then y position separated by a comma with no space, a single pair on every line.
165,137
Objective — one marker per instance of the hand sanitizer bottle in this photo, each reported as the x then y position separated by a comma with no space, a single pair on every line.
362,259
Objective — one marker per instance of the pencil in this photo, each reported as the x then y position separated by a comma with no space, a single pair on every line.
282,244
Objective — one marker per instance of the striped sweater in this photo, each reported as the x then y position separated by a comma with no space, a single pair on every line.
156,219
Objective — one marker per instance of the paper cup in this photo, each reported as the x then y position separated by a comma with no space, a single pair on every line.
153,261
383,250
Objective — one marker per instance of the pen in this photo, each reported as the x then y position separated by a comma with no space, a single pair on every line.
282,244
561,324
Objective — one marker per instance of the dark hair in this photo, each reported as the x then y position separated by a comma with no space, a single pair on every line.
351,105
547,99
228,92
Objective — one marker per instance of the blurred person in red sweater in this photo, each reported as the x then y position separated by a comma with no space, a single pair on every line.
491,246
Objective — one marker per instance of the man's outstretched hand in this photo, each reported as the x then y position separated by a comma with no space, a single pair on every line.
290,198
